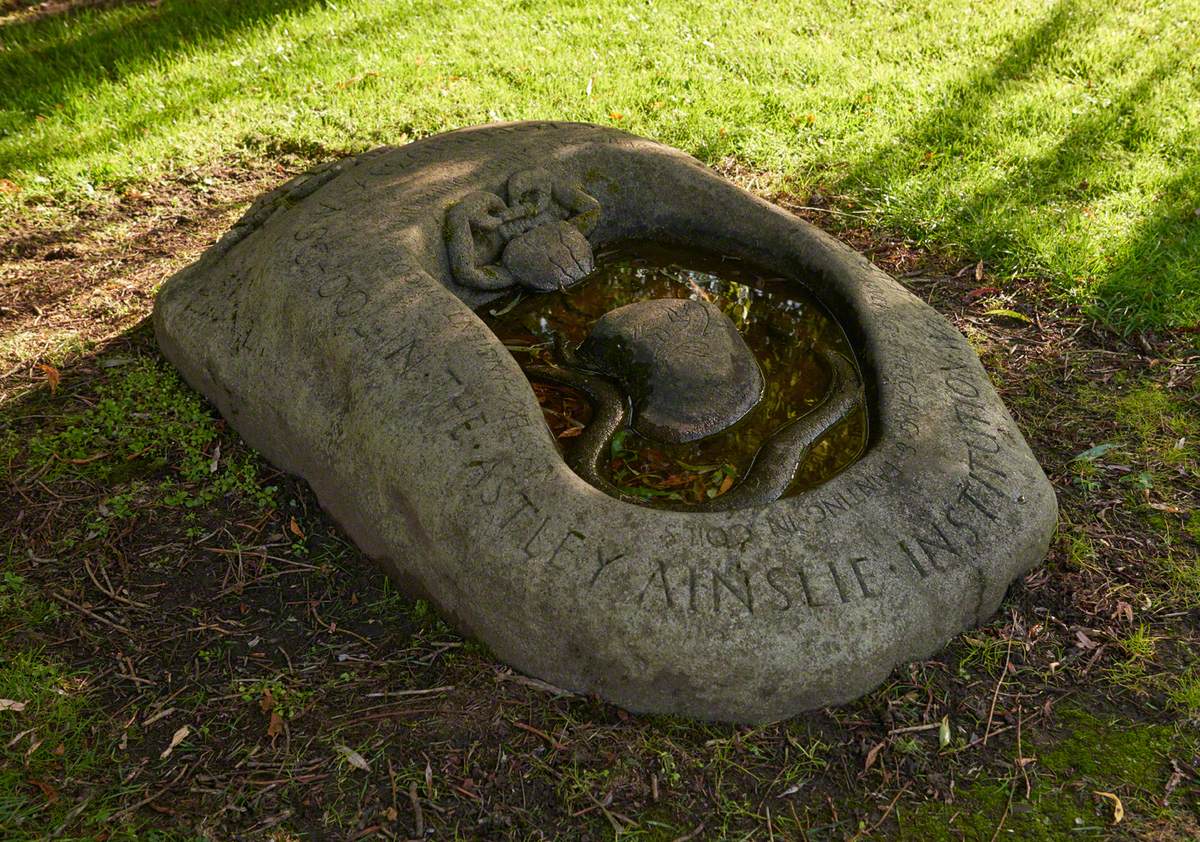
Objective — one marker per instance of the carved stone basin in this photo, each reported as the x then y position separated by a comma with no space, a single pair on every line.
334,328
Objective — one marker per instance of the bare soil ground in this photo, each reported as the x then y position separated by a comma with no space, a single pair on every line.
232,667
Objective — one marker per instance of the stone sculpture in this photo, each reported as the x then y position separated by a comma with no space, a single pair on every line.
335,327
539,236
686,374
683,363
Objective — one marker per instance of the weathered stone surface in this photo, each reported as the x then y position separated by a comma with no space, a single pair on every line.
329,329
683,364
539,235
549,256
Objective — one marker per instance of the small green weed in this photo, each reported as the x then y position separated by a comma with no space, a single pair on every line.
21,605
147,436
1184,694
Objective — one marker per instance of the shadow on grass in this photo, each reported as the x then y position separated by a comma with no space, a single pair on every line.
49,61
1159,269
965,100
1150,276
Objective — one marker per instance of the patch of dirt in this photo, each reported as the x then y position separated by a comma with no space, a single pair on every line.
93,276
27,11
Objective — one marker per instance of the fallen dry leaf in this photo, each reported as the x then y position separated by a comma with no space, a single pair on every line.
176,738
295,528
354,758
53,376
978,291
1176,780
1118,807
354,80
872,755
267,702
1123,611
275,726
48,791
9,704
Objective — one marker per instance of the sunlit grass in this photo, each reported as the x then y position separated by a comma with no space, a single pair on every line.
1052,138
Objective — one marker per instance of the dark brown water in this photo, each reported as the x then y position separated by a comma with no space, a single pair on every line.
783,325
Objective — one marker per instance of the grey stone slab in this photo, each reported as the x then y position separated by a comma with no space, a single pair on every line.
329,328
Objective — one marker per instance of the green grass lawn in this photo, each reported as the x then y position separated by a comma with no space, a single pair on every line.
1051,139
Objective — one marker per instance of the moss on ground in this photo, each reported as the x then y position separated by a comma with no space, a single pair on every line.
1092,754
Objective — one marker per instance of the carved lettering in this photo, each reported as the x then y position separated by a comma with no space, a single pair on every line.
602,562
837,581
809,590
773,576
856,564
721,582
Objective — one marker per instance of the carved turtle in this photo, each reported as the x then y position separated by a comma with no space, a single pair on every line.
685,367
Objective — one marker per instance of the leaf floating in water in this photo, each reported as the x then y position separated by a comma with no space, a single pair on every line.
508,307
785,330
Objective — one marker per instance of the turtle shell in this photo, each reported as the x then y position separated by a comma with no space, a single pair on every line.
687,370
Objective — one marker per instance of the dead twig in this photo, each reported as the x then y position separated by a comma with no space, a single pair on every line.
418,815
996,694
886,812
110,593
89,613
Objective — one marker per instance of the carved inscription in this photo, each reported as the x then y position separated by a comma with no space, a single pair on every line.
827,505
938,540
790,587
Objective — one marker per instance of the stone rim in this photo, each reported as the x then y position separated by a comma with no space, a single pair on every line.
670,625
